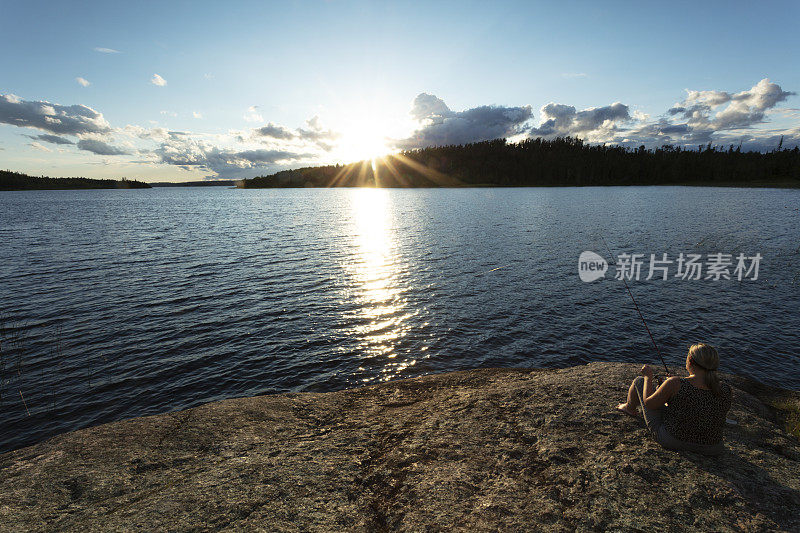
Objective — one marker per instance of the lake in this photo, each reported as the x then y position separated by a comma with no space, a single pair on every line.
122,303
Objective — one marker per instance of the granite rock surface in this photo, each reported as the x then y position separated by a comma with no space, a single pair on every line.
487,449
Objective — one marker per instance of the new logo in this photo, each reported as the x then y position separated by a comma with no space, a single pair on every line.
591,266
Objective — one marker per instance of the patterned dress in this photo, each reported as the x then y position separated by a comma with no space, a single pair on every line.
697,415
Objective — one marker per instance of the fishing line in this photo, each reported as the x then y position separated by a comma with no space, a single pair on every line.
637,307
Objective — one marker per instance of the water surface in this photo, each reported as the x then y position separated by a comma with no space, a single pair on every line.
144,301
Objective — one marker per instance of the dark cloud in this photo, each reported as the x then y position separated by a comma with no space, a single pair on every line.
55,118
274,131
429,107
99,147
560,120
442,126
314,133
761,142
53,139
661,132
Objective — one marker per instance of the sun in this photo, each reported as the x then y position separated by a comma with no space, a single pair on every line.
363,138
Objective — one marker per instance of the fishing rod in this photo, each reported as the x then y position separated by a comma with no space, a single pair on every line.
637,308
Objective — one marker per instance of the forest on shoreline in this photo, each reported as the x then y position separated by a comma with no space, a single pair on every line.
541,163
17,181
538,162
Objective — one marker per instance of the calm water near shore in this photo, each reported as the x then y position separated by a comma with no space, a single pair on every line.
137,302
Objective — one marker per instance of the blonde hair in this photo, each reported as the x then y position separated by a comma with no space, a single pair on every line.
706,357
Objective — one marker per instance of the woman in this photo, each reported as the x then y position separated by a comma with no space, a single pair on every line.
684,413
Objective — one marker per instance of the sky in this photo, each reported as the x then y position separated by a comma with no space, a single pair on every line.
179,91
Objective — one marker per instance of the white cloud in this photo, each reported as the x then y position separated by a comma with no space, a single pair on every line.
197,114
189,152
40,147
702,109
715,116
158,80
718,117
253,115
99,147
106,50
83,82
168,113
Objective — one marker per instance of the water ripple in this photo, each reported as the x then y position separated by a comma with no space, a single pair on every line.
138,302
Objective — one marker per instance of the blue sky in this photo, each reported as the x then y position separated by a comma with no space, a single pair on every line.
254,87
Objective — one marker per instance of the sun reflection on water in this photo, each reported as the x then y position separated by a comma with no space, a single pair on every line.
381,311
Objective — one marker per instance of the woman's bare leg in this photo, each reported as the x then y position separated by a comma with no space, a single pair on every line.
632,403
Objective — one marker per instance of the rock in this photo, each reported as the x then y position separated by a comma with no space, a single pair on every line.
491,449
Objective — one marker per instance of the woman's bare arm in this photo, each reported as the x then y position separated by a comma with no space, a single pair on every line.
657,399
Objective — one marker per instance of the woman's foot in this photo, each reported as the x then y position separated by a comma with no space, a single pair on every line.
625,408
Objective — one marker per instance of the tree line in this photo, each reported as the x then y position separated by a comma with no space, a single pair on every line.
16,181
563,161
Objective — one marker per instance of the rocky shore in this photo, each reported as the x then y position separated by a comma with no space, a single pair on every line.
490,449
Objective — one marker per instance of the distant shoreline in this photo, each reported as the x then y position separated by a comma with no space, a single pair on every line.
17,181
209,183
561,162
726,185
730,185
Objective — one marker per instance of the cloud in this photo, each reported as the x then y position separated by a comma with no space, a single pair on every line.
99,147
559,120
40,147
314,133
700,109
53,139
266,156
719,117
429,107
442,126
83,82
106,50
716,116
168,113
54,118
661,132
158,80
253,115
574,75
185,151
764,143
274,131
